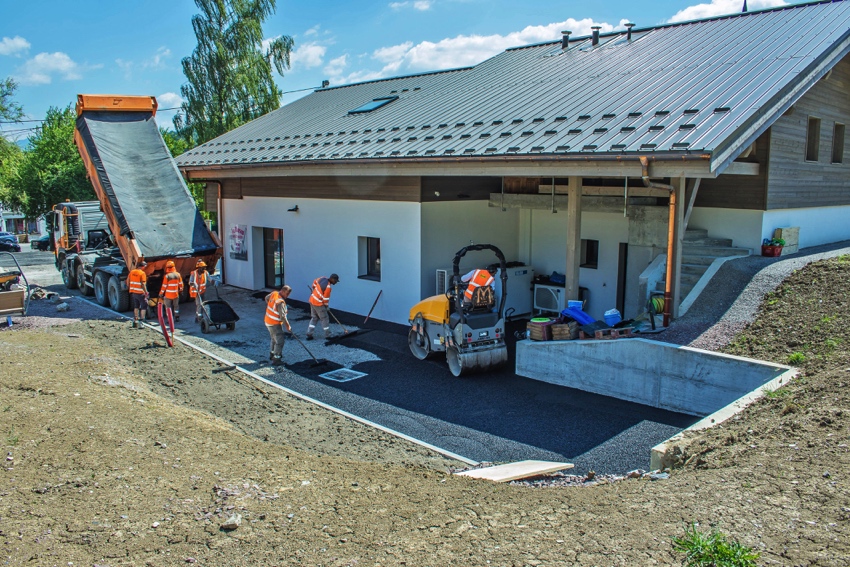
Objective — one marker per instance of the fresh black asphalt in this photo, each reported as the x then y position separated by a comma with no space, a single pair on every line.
492,417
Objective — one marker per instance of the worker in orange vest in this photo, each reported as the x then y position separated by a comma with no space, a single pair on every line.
276,320
198,287
319,297
172,285
137,284
477,278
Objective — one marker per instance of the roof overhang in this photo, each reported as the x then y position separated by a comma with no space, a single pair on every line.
672,165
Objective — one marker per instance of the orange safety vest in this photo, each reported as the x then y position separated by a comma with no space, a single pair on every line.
318,297
172,285
136,281
201,280
479,278
272,314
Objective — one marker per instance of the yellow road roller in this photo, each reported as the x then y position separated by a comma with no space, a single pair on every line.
469,328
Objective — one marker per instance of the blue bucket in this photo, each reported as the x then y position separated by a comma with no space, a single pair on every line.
612,317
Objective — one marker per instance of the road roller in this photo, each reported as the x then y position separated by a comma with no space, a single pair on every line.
471,333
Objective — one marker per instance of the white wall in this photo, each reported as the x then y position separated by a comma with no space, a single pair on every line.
822,225
742,226
321,238
549,252
449,226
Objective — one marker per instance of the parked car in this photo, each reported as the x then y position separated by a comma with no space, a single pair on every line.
41,243
8,236
9,245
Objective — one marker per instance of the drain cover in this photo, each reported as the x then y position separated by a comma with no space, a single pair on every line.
342,375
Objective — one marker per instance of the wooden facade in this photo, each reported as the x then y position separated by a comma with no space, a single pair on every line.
794,182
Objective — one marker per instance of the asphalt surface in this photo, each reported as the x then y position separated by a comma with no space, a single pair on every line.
493,417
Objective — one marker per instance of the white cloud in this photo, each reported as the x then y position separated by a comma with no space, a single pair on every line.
312,31
155,62
165,118
421,5
308,55
14,46
335,67
41,69
721,7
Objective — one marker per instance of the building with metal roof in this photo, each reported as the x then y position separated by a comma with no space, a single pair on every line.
733,125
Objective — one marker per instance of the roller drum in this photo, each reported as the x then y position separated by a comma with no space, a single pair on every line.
476,361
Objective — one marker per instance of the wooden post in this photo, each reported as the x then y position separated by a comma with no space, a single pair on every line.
679,184
573,237
690,197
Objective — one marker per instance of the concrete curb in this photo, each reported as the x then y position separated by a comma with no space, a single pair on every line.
295,394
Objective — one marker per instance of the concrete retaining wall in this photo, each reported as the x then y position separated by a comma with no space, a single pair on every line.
681,379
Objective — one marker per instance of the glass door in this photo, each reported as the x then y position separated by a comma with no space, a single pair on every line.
273,256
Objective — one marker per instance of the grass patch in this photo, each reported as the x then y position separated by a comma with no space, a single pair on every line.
13,438
796,358
713,549
777,394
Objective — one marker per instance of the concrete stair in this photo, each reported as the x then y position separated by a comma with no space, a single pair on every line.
699,251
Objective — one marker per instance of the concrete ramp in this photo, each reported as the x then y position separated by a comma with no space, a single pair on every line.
676,378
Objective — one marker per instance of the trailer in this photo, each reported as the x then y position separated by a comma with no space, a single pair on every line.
144,208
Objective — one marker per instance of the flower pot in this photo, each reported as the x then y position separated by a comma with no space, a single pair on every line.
771,251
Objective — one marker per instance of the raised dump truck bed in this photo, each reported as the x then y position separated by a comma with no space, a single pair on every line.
148,207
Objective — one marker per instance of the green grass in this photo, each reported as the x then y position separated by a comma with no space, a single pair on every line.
796,358
777,394
12,438
713,549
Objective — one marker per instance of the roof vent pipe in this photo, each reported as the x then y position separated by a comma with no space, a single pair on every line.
595,40
629,25
565,40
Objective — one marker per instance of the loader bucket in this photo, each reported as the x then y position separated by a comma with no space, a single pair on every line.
476,361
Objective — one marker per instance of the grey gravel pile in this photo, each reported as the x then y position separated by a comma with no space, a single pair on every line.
731,299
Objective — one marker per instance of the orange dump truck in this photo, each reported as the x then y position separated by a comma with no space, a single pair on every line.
145,208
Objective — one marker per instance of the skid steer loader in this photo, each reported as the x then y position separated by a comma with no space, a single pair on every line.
472,334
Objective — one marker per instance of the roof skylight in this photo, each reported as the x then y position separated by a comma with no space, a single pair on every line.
374,104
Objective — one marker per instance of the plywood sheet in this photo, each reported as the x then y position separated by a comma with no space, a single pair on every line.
517,470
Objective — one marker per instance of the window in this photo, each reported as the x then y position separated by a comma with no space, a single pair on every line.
589,254
813,139
373,105
369,258
838,143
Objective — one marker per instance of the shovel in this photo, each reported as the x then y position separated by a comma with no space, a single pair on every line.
317,362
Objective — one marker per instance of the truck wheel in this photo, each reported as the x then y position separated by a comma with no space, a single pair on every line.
119,300
101,288
81,281
69,277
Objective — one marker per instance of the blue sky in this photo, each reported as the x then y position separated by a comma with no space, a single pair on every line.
55,49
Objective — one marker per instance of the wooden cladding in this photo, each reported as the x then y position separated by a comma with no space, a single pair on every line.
807,166
739,191
326,187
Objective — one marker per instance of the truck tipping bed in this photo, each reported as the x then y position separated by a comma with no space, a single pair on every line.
150,210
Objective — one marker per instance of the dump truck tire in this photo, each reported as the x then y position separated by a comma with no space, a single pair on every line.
101,288
69,276
119,300
86,290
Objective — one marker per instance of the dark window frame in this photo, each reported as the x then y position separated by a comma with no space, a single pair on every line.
589,254
838,135
813,139
370,258
373,104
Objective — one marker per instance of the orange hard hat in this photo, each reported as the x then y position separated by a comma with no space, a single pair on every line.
201,264
169,264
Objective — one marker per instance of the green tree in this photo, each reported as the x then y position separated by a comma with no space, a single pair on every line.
9,110
229,73
10,158
51,170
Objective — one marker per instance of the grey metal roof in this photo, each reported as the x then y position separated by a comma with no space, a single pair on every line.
702,87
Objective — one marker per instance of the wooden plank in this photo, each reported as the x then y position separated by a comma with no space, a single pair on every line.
602,191
678,236
515,471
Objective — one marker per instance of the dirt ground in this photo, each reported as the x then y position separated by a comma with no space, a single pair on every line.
120,451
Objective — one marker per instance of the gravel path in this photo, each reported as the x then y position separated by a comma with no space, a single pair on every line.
731,299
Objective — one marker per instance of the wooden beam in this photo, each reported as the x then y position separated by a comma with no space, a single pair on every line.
690,196
604,191
742,168
588,203
573,238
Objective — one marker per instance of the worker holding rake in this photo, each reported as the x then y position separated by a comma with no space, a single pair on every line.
320,295
276,322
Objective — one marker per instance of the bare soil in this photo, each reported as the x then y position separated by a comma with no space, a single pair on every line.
120,451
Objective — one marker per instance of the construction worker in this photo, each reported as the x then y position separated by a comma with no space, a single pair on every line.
477,278
276,321
137,284
198,287
172,285
319,297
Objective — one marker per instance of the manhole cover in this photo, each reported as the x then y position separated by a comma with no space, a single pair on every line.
342,375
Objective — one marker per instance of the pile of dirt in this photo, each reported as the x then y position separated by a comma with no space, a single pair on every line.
120,451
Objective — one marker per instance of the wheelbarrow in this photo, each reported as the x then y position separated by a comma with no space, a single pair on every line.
217,312
14,295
